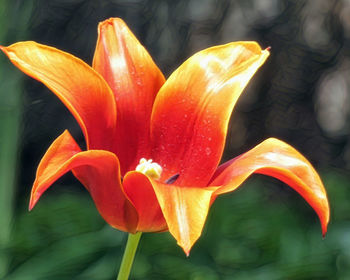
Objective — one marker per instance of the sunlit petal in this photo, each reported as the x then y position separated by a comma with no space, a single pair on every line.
82,90
277,159
135,80
191,112
185,210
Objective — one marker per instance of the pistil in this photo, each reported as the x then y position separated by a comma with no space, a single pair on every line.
149,168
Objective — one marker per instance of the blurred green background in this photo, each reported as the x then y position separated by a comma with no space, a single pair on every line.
264,230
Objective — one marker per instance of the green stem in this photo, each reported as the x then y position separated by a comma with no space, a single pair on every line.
129,254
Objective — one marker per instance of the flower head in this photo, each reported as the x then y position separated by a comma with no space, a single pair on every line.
154,146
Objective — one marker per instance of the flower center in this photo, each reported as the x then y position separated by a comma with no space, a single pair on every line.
149,168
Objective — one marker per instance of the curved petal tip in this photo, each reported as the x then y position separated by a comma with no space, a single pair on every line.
277,159
32,202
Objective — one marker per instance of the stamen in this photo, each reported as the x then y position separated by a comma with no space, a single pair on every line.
172,179
149,168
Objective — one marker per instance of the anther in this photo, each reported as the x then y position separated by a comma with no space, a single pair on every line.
172,179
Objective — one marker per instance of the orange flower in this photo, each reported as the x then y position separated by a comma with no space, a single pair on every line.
130,115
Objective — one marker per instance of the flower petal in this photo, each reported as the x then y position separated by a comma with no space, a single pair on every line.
185,210
135,80
191,111
82,90
280,160
97,170
140,191
60,151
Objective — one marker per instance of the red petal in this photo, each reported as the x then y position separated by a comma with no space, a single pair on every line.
140,191
60,151
191,112
135,80
99,173
277,159
82,90
185,210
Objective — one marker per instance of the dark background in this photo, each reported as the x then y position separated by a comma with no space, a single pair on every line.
262,231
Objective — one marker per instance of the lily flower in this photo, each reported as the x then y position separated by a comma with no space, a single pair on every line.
154,145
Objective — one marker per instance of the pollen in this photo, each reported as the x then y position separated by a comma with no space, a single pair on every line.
149,168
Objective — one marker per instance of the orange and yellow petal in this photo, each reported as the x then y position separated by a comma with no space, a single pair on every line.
276,159
185,210
60,151
97,170
192,110
82,90
135,80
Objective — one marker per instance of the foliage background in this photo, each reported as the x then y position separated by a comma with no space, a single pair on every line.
262,231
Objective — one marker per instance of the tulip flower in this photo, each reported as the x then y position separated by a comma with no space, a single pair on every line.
154,145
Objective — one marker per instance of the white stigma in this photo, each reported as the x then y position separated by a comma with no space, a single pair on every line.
149,168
